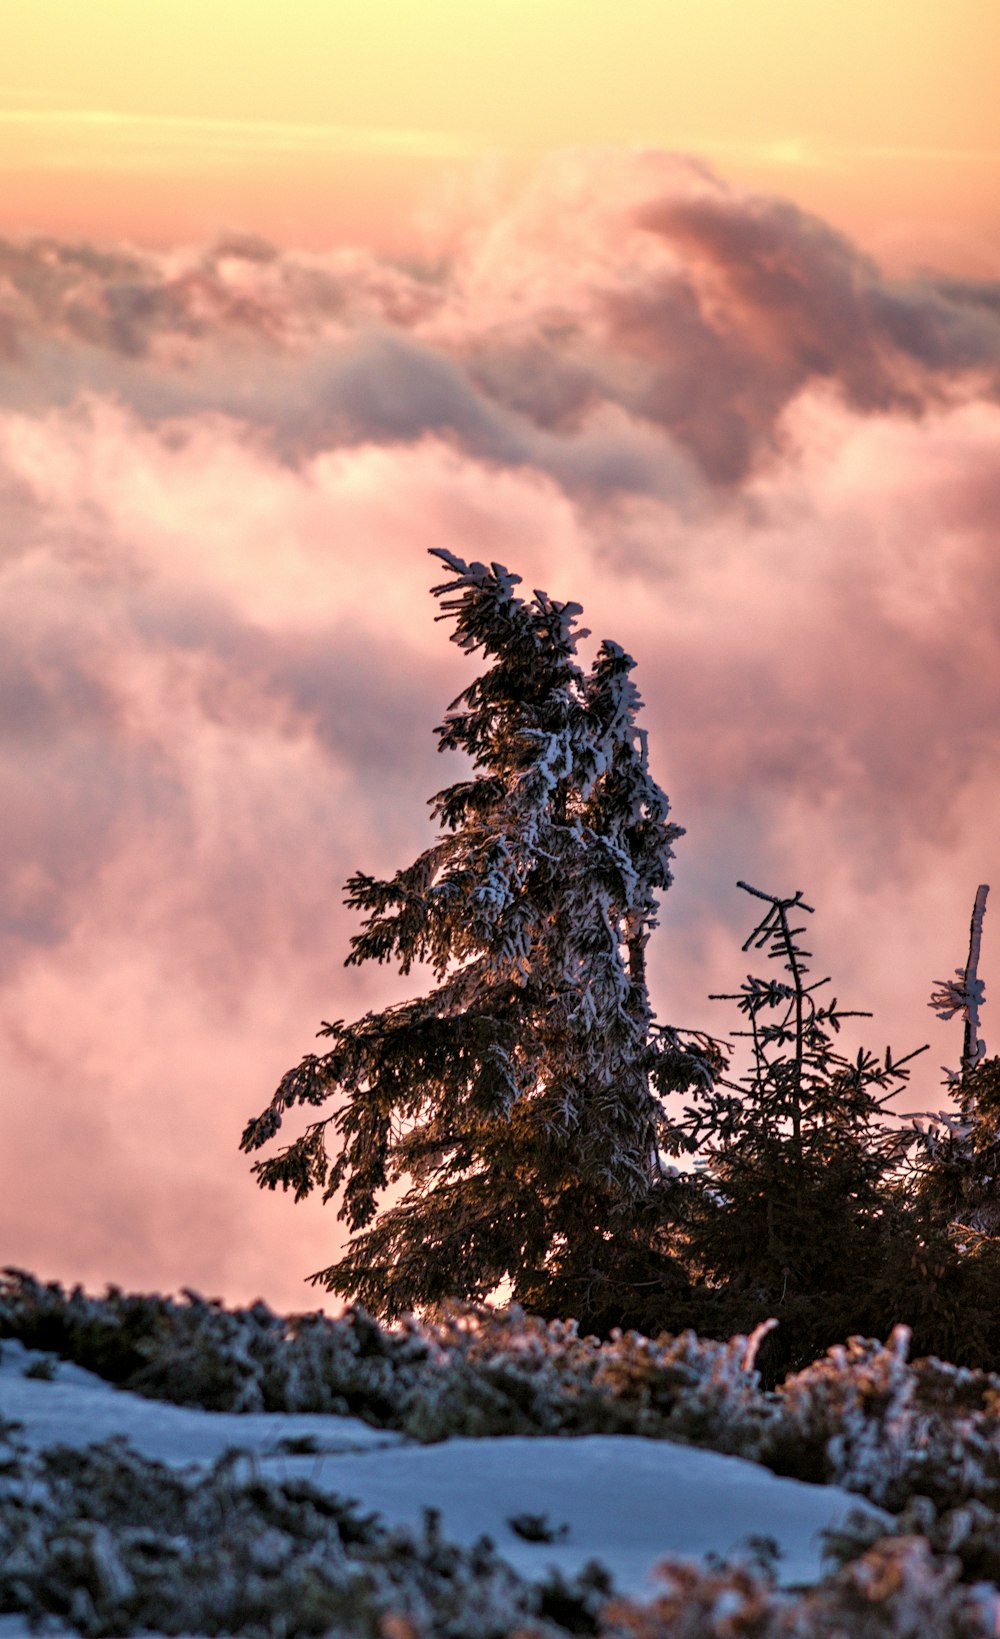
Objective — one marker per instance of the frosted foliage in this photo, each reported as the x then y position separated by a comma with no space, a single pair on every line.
109,1542
522,1097
864,1417
897,1590
965,994
103,1541
958,996
103,1537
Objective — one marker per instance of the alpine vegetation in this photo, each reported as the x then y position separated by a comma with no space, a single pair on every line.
522,1099
865,1416
800,1213
513,1128
105,1542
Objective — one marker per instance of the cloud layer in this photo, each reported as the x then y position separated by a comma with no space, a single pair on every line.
765,468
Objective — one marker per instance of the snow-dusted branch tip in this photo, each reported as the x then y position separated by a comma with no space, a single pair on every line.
966,993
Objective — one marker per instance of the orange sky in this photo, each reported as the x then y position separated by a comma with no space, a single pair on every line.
764,464
320,121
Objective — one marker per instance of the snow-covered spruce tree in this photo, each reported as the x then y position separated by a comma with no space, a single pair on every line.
521,1100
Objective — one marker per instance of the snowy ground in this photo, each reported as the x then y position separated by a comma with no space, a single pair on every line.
622,1500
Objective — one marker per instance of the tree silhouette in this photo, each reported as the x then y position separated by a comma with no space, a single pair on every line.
800,1210
521,1100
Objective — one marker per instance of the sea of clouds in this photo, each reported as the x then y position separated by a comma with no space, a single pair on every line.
768,470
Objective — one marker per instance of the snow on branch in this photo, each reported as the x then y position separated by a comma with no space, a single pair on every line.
966,993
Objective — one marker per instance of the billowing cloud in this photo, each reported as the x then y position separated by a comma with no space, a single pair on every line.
621,299
768,470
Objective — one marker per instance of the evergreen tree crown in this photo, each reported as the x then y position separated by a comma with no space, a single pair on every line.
521,1096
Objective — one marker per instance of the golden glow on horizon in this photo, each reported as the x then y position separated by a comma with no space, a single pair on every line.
277,114
75,139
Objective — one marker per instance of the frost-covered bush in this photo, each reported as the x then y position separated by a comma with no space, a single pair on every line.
468,1371
107,1539
864,1416
112,1543
899,1589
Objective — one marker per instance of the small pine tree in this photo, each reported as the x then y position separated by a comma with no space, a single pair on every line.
797,1205
521,1099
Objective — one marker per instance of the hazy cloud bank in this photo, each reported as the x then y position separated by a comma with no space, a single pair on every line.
765,468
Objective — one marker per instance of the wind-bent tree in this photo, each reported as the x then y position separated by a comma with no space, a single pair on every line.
521,1100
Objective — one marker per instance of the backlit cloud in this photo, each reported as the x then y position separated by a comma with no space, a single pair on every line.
768,470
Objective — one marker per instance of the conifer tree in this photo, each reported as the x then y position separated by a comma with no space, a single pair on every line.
521,1100
799,1210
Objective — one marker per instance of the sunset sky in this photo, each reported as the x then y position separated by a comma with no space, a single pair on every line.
316,121
688,312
